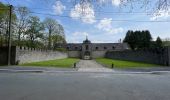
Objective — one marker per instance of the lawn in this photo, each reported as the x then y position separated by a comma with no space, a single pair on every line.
124,64
63,63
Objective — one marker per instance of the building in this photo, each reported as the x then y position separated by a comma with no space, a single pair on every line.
88,50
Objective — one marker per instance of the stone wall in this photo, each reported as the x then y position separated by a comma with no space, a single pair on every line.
94,54
21,55
155,56
74,54
98,54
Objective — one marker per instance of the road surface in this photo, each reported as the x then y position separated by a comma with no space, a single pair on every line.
83,86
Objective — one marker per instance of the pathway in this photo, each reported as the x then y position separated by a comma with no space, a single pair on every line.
91,66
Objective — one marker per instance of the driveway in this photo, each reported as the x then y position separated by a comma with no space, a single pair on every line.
91,66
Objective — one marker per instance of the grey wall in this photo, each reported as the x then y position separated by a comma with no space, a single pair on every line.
74,54
95,54
155,56
98,54
26,55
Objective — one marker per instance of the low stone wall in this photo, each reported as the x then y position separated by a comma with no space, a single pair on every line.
74,54
155,56
21,55
98,54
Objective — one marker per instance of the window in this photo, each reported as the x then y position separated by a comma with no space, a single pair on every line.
105,48
76,48
113,47
87,47
67,48
97,48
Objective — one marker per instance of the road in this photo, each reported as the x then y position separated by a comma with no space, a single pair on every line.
83,86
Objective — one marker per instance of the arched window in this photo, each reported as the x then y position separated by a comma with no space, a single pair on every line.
87,47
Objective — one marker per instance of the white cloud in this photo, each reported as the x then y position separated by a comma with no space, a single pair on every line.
116,2
85,12
162,14
80,34
106,25
59,8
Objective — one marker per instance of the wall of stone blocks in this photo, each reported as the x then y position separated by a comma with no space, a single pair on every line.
21,55
155,56
98,54
26,55
74,54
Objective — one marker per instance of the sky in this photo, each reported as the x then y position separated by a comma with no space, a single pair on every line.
106,23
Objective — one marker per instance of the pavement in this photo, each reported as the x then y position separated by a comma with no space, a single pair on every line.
89,81
83,86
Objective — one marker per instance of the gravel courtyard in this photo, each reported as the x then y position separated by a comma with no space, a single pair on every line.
91,66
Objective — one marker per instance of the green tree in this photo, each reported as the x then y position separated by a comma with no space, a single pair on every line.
35,30
57,39
51,25
138,39
159,42
4,20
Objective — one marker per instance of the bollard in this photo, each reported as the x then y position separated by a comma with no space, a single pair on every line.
112,65
74,65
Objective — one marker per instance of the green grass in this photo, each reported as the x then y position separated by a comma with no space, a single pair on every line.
124,64
63,63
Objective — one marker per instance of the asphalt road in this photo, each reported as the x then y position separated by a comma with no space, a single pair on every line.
83,86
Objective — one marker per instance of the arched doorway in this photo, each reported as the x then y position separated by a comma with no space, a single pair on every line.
87,55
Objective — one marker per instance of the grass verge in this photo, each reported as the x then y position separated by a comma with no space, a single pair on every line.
124,64
63,63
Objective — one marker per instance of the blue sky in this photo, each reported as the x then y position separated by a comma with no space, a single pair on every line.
100,25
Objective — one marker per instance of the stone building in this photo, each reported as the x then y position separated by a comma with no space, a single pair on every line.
88,50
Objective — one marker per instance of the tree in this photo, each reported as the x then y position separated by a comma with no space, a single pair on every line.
156,5
128,39
159,42
138,39
4,20
51,25
35,30
23,14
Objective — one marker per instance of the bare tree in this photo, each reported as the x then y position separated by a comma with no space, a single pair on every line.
155,5
23,14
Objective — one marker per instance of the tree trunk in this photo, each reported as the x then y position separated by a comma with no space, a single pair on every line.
49,39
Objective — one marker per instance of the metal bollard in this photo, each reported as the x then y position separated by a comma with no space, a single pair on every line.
74,65
112,65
